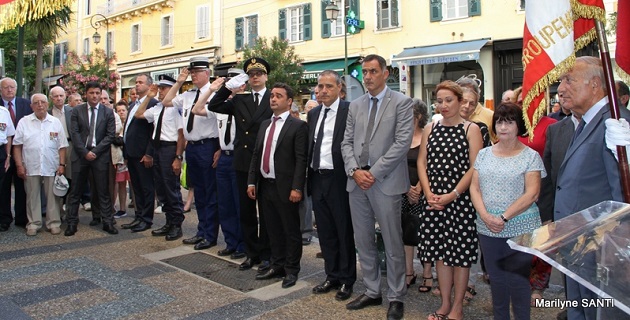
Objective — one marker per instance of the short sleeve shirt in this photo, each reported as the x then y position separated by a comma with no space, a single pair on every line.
6,125
203,127
171,123
41,141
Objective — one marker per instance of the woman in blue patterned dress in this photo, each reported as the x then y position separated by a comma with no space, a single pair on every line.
447,234
504,188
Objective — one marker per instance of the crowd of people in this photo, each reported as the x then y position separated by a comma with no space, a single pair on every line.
449,191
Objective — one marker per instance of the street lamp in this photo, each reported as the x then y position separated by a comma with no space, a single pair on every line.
97,37
332,12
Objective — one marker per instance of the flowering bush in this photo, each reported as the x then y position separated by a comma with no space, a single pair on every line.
80,70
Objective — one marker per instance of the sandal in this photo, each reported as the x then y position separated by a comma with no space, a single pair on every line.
413,279
437,316
536,295
424,287
468,296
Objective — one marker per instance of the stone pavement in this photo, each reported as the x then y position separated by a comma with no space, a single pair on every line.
93,275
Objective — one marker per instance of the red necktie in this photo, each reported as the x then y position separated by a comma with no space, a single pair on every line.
12,114
268,145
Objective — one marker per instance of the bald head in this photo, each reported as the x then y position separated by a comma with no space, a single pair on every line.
58,97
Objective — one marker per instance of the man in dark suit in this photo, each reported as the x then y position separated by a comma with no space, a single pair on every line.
18,108
276,177
138,151
589,173
248,110
92,131
326,184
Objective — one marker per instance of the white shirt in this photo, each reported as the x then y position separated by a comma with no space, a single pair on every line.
170,125
89,111
261,94
279,124
61,115
6,125
131,115
590,114
222,121
41,141
203,127
326,160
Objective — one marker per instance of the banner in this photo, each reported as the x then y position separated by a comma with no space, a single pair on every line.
622,52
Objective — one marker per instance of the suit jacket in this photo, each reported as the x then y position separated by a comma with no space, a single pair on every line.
22,108
105,131
557,142
67,112
289,157
139,134
389,143
338,133
247,117
589,173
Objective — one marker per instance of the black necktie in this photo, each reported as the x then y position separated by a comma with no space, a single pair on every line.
318,143
191,118
578,130
158,127
228,131
91,134
365,153
256,100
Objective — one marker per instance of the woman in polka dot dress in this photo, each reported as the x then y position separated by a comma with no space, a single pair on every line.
448,235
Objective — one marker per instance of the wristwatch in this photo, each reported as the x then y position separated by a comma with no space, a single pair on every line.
179,157
504,218
352,171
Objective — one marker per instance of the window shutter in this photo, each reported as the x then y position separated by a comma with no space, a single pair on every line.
394,18
378,14
474,8
308,28
240,27
253,31
354,6
326,24
436,10
282,24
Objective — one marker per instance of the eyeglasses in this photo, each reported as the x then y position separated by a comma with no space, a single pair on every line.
255,73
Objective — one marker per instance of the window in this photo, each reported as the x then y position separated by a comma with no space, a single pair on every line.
203,22
246,31
522,5
453,9
167,31
88,7
295,23
86,46
387,14
61,53
339,26
135,38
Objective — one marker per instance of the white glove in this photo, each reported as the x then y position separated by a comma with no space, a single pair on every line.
237,82
617,134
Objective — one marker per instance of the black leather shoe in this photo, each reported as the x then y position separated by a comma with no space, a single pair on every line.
270,274
344,292
225,252
205,244
142,226
162,231
364,301
132,224
264,266
193,240
326,286
289,281
237,255
4,227
396,310
248,264
175,233
70,230
95,222
109,228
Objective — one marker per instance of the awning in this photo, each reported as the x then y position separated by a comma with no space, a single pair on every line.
441,53
52,80
313,69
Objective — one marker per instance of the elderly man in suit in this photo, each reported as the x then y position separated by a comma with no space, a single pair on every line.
92,130
588,174
326,184
276,177
378,134
63,113
18,107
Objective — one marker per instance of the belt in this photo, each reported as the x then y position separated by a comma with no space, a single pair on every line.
166,143
202,141
324,172
366,168
227,152
269,180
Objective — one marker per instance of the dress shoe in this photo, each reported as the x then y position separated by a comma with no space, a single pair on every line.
142,226
364,301
248,264
162,231
95,222
132,224
70,230
264,266
175,233
205,244
225,252
109,228
396,310
319,255
55,230
344,292
289,280
306,241
271,273
326,286
237,255
4,227
193,240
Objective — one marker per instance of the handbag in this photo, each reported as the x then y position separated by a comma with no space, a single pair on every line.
410,228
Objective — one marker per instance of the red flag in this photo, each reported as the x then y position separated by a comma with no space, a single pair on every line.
622,51
5,1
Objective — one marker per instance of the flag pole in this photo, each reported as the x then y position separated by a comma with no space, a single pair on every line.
624,171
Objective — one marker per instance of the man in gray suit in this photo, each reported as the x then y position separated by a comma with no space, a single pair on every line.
588,174
378,134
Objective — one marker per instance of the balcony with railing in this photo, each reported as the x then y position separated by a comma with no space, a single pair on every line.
126,9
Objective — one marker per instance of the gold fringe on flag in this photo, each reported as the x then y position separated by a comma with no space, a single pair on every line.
582,10
19,12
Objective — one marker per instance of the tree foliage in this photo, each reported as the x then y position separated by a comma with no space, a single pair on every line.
80,70
285,64
8,41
